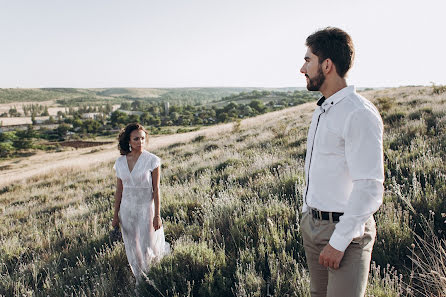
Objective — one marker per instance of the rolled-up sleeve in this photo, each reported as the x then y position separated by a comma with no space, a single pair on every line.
363,134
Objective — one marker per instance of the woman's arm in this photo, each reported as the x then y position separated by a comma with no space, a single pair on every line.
156,198
118,197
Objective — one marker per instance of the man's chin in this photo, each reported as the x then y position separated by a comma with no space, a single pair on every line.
312,88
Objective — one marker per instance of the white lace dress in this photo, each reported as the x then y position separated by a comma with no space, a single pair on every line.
142,243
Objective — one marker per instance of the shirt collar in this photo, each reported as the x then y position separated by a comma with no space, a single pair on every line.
335,98
320,101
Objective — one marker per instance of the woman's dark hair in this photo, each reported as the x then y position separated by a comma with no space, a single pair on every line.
124,137
334,44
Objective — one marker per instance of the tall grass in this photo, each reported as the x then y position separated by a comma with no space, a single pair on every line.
231,213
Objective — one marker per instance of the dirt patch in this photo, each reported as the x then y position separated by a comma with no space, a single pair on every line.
82,144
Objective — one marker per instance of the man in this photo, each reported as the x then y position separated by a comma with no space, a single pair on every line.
344,171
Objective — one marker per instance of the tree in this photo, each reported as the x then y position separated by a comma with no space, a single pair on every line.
6,149
230,106
13,112
8,136
133,118
174,116
125,106
91,126
77,123
60,115
257,105
118,118
156,121
108,108
23,143
222,117
145,118
45,112
62,130
136,105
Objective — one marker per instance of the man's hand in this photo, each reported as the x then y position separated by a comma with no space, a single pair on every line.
330,257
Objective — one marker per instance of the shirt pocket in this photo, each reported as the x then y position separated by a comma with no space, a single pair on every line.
330,143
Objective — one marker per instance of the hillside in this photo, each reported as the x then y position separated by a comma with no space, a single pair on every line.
230,200
72,96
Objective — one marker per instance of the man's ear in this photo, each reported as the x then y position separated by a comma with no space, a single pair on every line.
328,66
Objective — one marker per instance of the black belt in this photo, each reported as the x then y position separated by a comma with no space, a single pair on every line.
325,215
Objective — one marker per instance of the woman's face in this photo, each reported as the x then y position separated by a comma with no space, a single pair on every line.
137,140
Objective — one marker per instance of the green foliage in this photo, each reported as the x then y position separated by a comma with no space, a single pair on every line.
6,149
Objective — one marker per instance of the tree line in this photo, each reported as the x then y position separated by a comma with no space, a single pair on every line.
90,121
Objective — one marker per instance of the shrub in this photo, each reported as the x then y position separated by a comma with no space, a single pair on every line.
438,90
384,103
210,147
193,268
394,117
229,162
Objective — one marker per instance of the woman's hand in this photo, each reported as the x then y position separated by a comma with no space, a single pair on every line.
115,222
157,222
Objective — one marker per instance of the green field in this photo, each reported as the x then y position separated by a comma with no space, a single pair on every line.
230,208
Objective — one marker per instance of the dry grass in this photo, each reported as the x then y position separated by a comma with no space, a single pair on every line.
230,200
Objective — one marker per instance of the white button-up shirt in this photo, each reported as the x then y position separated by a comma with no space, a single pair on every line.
344,168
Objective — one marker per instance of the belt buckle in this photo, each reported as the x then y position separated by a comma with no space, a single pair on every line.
316,213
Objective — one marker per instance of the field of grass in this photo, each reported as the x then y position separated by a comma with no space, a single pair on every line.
230,205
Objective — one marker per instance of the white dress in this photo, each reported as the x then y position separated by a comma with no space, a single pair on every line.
142,243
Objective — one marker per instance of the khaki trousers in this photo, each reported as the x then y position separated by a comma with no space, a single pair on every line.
350,280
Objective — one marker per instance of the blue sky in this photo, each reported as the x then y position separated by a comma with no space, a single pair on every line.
199,43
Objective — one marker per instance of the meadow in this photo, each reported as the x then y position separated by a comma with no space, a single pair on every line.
230,205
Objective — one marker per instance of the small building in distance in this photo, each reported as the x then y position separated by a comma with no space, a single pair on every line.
90,115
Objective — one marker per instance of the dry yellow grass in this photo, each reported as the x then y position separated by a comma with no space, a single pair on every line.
229,200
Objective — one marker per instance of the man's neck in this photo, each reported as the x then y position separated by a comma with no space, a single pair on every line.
332,86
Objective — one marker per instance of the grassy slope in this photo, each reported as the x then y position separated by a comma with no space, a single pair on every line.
230,209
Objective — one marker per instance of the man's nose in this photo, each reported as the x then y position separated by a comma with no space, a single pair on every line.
302,69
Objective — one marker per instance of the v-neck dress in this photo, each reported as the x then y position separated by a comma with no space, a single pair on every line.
142,243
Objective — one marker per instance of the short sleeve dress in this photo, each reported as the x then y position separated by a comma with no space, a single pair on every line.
142,243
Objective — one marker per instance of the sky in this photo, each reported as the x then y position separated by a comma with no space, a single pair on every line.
210,43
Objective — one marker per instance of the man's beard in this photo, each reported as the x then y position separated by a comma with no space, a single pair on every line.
315,83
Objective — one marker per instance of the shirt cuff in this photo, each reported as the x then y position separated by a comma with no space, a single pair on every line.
338,242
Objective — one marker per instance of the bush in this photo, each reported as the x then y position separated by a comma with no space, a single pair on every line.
6,149
438,90
194,268
394,117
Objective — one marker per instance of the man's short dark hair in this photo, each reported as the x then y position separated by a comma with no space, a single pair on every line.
334,44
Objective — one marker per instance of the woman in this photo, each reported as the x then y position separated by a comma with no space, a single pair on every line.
137,200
